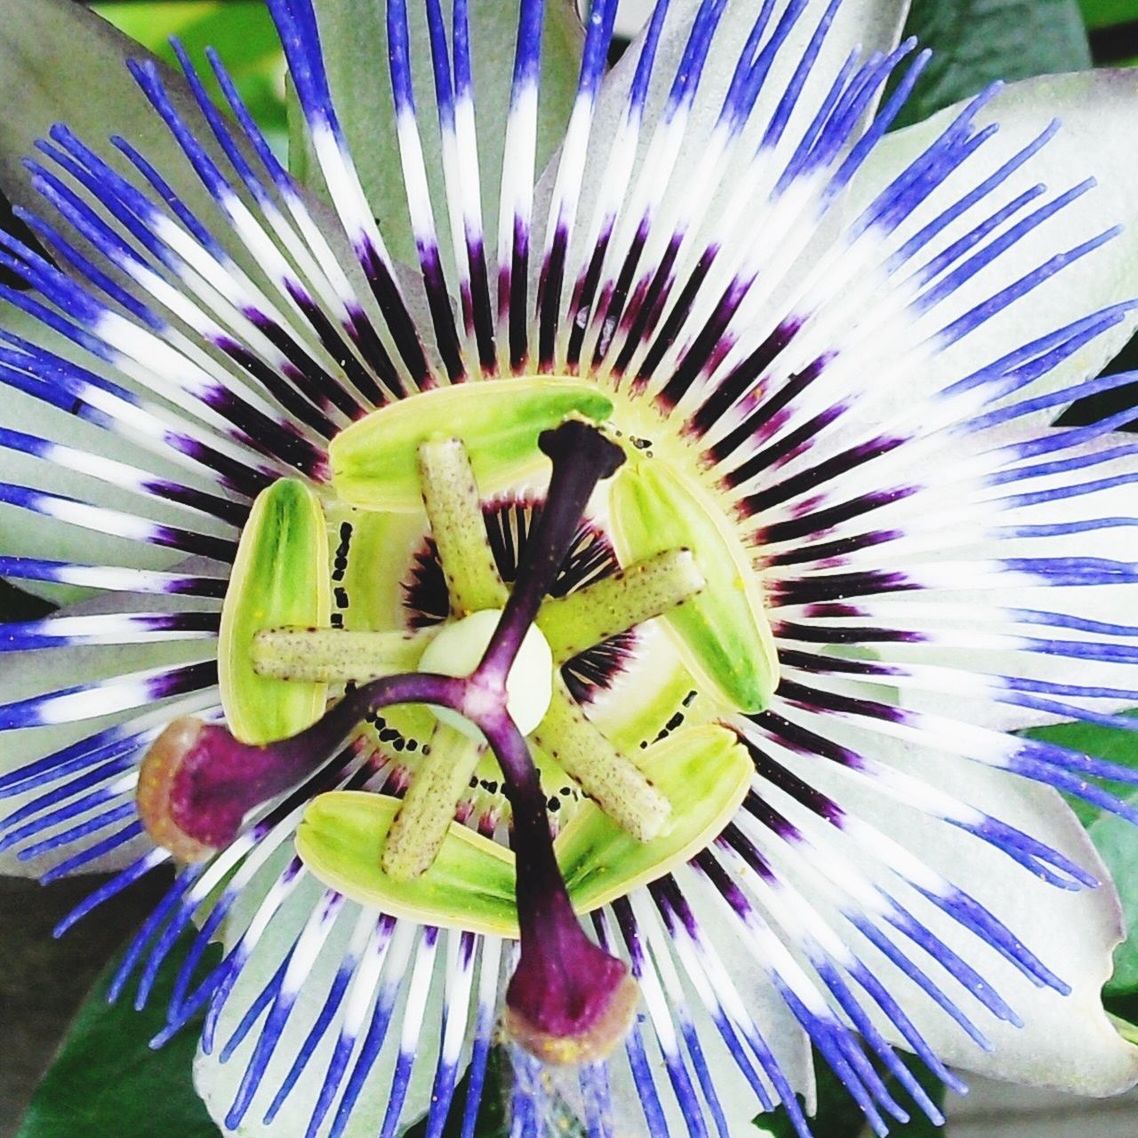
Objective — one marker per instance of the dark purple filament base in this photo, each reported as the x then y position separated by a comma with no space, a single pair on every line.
565,987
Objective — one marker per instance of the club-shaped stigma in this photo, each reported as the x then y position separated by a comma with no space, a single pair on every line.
569,1001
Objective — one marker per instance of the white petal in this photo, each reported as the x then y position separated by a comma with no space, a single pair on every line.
1066,1041
1097,111
86,469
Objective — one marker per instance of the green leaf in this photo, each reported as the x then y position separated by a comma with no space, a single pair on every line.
977,41
106,1080
354,38
241,30
1113,745
39,86
1103,13
1115,838
493,1119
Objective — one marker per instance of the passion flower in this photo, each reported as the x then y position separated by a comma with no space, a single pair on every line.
606,646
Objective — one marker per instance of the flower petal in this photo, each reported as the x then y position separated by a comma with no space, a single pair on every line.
1096,112
928,809
689,1030
1066,1041
89,373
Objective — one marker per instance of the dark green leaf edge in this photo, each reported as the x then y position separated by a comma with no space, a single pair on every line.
106,1082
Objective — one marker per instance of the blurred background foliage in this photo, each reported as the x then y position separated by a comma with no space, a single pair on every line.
240,30
103,1080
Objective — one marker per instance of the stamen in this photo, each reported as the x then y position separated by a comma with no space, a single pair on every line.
375,461
613,780
280,577
450,495
574,623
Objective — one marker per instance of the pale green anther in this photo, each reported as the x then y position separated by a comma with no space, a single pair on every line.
375,460
723,632
454,509
704,771
441,778
336,655
280,577
610,778
617,603
470,884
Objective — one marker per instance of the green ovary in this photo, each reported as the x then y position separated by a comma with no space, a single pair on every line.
306,614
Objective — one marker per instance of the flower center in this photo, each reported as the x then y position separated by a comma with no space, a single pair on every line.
305,621
457,651
314,646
